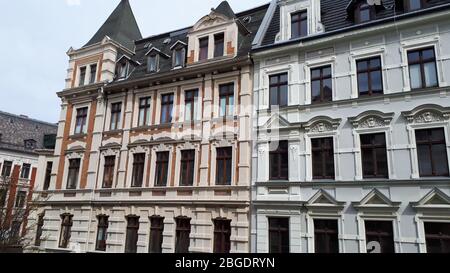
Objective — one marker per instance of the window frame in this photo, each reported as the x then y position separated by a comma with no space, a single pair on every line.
227,91
25,172
428,236
430,143
116,116
82,76
21,200
221,162
327,233
324,160
222,235
167,107
374,148
156,235
193,101
279,153
48,175
281,233
278,86
183,228
358,10
190,162
421,63
378,233
81,120
150,58
162,165
146,107
66,230
182,52
39,229
93,73
321,79
138,166
298,23
219,43
407,5
108,171
203,48
102,232
132,234
7,168
73,174
371,92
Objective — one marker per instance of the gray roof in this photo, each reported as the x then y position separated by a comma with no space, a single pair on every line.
164,42
336,15
121,26
15,130
225,9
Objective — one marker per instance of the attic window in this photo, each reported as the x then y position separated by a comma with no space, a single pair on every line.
364,13
178,57
30,144
412,5
203,48
152,63
219,43
122,70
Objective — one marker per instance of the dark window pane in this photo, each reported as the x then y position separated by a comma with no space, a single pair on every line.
374,155
370,79
278,235
422,68
138,170
323,158
224,166
326,236
162,168
132,234
156,234
222,235
382,233
432,152
437,237
183,230
279,162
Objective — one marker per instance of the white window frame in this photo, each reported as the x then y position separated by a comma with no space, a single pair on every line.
264,102
311,216
416,44
362,217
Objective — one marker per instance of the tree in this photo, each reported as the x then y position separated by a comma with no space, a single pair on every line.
16,204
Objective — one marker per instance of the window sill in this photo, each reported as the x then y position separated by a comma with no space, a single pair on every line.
113,132
77,136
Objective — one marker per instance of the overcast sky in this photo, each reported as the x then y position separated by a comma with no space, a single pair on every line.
36,35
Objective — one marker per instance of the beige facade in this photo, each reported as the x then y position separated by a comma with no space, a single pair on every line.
207,131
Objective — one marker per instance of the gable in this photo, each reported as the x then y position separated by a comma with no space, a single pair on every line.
435,199
376,200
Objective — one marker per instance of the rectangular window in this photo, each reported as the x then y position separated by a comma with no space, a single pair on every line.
74,170
108,173
374,156
432,152
93,75
203,51
226,99
66,230
162,169
144,111
187,168
321,84
364,13
279,90
48,175
437,236
15,229
116,110
102,231
370,76
411,5
40,225
380,232
166,108
20,199
223,165
219,42
7,167
138,170
3,193
152,65
279,162
322,158
132,234
183,232
82,76
326,236
25,172
179,57
422,68
222,235
190,104
122,70
156,234
278,235
81,119
299,24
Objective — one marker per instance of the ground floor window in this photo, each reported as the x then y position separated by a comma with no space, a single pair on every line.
326,236
437,236
278,235
379,237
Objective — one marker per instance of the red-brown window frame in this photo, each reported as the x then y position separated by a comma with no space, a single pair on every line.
282,152
162,169
223,155
429,142
108,171
156,234
145,105
81,120
322,79
368,71
103,223
421,62
132,234
203,48
187,163
297,20
276,228
182,238
373,147
325,146
222,235
277,85
167,108
116,111
138,170
66,230
189,99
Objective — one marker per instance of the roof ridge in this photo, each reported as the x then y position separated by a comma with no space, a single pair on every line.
28,118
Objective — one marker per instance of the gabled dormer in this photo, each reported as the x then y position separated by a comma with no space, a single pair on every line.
363,11
178,54
299,19
153,57
215,35
124,66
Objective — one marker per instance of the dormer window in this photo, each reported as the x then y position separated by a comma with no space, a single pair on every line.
299,24
152,63
364,13
30,144
219,45
203,51
411,5
179,57
122,70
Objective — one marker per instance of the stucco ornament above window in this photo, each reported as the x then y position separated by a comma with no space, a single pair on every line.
322,200
322,124
376,201
371,119
434,201
429,113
